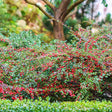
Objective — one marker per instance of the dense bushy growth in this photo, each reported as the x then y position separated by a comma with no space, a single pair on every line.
62,71
46,106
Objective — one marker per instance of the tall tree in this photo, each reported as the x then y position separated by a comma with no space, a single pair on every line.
60,14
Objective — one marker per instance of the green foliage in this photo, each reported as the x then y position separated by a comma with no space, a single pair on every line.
27,39
47,23
64,72
108,18
101,23
104,3
7,20
85,22
3,43
30,14
46,106
71,25
24,39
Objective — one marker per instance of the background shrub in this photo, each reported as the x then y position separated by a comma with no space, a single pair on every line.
7,20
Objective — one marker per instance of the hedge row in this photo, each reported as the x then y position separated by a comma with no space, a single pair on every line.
46,106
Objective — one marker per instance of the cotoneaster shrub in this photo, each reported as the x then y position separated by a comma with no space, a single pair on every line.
57,70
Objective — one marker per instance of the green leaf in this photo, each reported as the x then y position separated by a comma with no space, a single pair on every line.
104,3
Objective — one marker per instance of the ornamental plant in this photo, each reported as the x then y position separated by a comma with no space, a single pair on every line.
62,71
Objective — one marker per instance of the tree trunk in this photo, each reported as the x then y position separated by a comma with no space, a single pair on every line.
60,14
58,31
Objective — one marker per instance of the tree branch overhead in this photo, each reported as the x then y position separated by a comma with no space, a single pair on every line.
49,4
38,6
72,7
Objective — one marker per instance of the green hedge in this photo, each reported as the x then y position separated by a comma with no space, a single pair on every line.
46,106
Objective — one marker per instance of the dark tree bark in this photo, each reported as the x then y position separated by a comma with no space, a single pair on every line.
58,15
58,31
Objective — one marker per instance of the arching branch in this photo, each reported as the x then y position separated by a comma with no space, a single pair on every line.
72,7
36,5
49,4
62,8
70,14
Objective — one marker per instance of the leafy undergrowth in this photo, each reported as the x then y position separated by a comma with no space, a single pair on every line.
64,72
46,106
